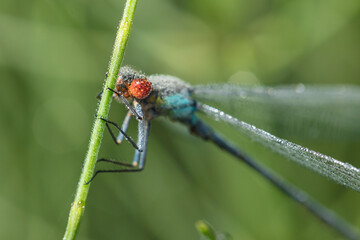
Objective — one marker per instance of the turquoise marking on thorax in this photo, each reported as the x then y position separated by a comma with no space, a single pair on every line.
179,107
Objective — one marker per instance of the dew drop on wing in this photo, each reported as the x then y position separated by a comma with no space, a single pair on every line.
328,112
342,173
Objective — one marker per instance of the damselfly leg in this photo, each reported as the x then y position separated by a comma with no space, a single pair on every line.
139,159
107,122
124,127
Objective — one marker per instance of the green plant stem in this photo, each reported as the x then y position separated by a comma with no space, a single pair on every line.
78,206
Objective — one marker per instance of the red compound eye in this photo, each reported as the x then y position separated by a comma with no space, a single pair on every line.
140,88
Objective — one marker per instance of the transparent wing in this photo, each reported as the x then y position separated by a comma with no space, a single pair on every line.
342,173
328,112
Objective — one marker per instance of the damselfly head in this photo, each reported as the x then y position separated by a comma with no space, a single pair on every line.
131,83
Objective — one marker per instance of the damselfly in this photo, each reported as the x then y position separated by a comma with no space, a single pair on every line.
160,95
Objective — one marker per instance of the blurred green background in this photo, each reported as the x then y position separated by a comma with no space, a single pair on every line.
53,57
